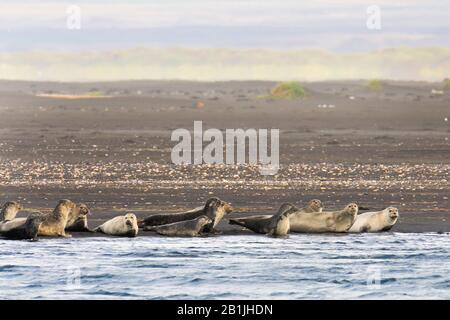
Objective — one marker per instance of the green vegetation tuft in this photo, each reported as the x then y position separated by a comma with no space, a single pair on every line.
287,90
447,84
95,93
375,85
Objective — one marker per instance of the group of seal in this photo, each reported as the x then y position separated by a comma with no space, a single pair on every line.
69,216
53,224
311,219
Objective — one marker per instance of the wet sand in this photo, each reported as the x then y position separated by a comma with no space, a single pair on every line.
112,150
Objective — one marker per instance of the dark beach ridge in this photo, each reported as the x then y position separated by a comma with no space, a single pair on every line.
111,150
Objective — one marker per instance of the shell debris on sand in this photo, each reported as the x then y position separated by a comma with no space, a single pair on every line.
374,177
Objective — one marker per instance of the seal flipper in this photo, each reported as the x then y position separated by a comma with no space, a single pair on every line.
98,229
209,228
215,231
141,223
236,222
272,235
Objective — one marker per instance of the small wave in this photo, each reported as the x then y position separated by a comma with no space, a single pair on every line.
319,267
102,292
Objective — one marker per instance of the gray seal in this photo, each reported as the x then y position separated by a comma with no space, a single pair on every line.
260,221
78,219
331,221
27,231
121,226
188,228
378,221
215,209
9,211
276,225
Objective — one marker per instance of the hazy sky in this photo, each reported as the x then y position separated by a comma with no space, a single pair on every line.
337,25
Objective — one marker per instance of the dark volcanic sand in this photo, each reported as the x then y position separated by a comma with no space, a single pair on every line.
375,148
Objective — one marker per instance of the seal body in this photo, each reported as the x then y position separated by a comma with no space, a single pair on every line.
276,225
188,228
375,221
280,224
215,209
9,211
260,223
5,226
78,219
332,221
55,222
121,226
27,231
297,219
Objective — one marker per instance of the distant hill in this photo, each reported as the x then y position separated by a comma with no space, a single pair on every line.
421,64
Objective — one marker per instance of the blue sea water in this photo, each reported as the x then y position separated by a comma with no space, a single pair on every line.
361,266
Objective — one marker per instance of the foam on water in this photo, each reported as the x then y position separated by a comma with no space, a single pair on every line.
373,266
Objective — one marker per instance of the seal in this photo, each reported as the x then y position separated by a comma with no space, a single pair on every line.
55,223
280,224
332,221
258,220
296,219
276,225
78,219
5,226
378,221
214,208
121,226
188,228
9,211
27,231
314,205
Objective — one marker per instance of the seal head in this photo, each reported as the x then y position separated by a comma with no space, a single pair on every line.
77,220
216,209
393,214
9,210
314,205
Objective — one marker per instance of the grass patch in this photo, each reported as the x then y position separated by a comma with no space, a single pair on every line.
447,84
287,90
94,94
375,85
88,95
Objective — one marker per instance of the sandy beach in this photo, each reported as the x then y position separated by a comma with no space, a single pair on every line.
108,145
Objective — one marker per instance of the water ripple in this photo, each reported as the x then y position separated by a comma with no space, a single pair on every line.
363,266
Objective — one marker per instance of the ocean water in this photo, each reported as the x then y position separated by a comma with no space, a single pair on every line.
361,266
